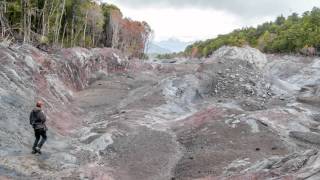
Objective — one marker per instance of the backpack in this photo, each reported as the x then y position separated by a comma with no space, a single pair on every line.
34,117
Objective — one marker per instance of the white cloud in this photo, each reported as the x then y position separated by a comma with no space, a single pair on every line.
244,8
190,20
185,24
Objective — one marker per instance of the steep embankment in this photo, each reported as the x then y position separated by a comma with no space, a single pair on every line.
27,75
238,114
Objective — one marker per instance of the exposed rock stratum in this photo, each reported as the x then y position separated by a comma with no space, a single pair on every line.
239,114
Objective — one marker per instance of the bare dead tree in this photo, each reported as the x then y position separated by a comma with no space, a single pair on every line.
2,11
63,35
44,17
85,29
72,31
60,21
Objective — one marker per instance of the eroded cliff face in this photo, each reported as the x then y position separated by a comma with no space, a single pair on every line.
28,75
239,114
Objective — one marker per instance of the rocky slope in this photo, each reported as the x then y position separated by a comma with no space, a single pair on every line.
237,115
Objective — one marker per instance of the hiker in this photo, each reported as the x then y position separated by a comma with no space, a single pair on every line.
38,120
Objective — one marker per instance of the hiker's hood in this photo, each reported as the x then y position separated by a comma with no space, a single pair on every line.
36,109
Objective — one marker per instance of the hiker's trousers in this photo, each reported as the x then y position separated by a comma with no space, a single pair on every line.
39,133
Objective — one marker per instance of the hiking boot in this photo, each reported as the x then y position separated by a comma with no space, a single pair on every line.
38,150
33,152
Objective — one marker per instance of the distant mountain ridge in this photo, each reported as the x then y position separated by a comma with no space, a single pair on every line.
155,49
167,46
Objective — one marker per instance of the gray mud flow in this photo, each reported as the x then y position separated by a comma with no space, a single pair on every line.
237,115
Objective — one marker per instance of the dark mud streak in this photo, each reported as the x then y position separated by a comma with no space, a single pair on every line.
208,153
142,155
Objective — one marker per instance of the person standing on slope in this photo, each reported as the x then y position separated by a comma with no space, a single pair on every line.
38,120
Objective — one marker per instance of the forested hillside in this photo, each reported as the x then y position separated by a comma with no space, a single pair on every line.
294,34
69,23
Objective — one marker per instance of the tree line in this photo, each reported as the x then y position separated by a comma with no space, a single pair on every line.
69,23
292,34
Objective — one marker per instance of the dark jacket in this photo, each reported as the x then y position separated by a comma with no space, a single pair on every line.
38,119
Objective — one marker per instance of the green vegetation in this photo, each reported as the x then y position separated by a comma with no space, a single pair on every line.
69,23
170,55
294,34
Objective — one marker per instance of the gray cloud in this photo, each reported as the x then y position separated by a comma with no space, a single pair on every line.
243,8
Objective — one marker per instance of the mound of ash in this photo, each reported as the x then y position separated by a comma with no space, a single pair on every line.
235,73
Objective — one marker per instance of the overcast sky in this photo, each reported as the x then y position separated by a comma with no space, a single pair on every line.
191,20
